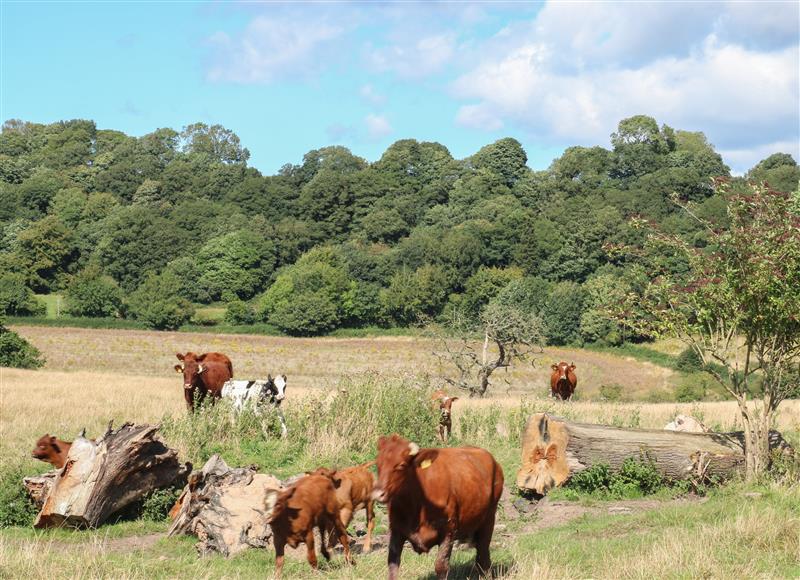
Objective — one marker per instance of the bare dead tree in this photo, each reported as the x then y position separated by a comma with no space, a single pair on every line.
509,334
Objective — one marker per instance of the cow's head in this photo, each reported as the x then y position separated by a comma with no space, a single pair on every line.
331,474
445,405
280,387
562,369
191,368
47,448
395,458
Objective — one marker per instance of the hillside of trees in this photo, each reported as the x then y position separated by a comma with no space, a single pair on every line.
149,228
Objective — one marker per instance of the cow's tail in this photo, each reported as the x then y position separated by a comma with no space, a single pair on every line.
367,464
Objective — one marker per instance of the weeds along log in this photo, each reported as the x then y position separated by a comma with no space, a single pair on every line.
104,477
553,449
225,508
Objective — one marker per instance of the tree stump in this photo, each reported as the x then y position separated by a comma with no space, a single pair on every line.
225,508
553,449
38,486
104,477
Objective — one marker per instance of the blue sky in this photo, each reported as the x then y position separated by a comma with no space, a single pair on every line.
288,78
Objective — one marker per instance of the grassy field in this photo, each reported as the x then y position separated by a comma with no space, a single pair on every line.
96,375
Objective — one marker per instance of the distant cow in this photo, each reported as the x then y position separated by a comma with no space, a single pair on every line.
296,511
437,497
687,424
52,450
354,492
563,380
256,393
203,375
445,417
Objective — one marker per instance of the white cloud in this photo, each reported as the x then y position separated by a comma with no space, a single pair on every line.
371,96
416,59
745,158
744,98
377,126
478,117
272,48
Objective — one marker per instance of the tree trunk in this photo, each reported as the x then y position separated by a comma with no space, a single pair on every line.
553,449
225,508
104,477
38,486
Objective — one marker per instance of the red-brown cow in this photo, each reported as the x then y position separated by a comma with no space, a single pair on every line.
438,496
563,380
353,492
52,450
310,503
203,374
445,417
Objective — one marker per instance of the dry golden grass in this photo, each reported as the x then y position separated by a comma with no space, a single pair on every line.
315,362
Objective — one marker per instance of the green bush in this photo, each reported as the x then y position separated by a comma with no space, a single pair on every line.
634,478
239,312
157,303
16,509
691,388
689,361
611,392
16,299
16,352
156,504
92,294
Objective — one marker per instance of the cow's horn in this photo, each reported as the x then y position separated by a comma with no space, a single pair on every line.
200,368
413,448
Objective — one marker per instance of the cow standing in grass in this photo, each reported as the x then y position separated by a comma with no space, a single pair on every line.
563,381
296,511
203,375
437,497
255,393
354,492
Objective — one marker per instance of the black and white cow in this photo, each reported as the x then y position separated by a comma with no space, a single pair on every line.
256,393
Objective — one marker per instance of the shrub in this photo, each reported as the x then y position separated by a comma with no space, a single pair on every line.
689,361
92,294
307,314
16,299
239,312
16,509
16,352
692,388
562,313
156,505
633,479
158,304
611,392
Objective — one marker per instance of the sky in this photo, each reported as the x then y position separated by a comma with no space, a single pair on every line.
292,77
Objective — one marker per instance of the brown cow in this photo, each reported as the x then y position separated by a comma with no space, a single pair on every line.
445,417
354,492
296,511
437,496
52,450
563,380
202,375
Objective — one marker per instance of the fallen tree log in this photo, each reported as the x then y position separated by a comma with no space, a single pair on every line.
38,486
553,449
225,508
104,477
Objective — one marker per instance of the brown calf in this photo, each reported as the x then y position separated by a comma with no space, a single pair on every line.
354,492
296,511
52,450
445,417
436,497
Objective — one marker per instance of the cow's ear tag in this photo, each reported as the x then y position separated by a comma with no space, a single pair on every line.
425,464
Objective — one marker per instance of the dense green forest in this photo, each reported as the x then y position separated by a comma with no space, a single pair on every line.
148,228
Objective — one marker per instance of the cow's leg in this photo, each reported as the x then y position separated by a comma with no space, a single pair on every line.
442,566
311,553
370,525
280,544
482,541
396,542
322,547
337,522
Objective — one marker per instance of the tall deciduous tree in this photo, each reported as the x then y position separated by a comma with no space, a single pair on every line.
737,306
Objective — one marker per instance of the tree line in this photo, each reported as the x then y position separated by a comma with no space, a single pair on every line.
151,227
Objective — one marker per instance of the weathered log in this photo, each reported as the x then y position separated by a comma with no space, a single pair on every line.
553,449
102,478
38,486
225,508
